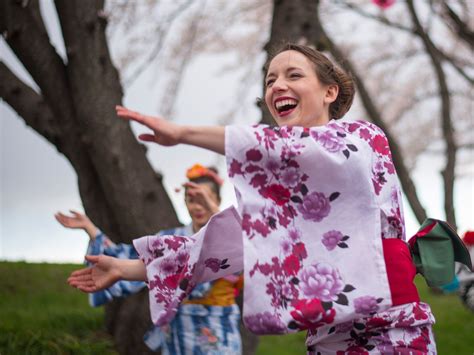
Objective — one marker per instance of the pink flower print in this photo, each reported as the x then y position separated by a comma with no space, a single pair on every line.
277,193
331,239
290,177
294,234
216,264
377,322
235,168
300,250
253,155
285,245
272,165
315,207
366,305
213,264
258,180
289,152
311,314
168,266
390,167
379,144
174,242
182,257
264,323
291,265
172,281
321,281
286,291
330,141
352,127
365,134
261,228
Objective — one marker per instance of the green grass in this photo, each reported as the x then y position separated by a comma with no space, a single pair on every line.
41,314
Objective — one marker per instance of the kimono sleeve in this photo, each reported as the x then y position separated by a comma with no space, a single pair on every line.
176,264
103,245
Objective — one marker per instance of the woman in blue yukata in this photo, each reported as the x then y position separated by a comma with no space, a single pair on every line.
319,230
207,322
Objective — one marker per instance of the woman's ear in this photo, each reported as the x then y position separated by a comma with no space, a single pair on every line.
331,93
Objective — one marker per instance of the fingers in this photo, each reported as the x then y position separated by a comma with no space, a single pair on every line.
132,115
147,137
76,214
94,259
62,219
80,273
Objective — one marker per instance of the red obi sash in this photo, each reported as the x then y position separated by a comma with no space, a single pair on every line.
401,271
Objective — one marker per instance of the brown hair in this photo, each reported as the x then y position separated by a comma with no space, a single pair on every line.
327,73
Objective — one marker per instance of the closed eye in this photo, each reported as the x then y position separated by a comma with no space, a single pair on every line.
269,82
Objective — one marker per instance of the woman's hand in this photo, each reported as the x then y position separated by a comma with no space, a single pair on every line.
77,221
106,271
202,194
102,274
164,132
168,134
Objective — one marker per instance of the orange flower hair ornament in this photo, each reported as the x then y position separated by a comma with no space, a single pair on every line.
197,171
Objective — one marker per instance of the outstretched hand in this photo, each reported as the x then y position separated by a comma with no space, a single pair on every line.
102,274
77,221
164,132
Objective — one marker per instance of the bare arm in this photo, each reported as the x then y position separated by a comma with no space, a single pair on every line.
168,133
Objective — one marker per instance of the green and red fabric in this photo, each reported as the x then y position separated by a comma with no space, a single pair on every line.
435,248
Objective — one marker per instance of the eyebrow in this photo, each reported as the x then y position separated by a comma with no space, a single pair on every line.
287,70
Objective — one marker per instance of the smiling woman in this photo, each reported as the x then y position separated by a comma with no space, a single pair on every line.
314,194
304,84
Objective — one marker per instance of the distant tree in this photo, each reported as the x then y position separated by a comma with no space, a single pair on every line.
73,108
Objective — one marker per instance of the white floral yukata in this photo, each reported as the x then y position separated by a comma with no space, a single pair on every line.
319,234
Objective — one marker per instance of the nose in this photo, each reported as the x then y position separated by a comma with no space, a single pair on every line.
279,85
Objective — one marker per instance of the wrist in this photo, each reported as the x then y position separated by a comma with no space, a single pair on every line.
184,133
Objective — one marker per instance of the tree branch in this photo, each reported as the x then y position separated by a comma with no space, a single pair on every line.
30,105
395,25
24,31
459,26
447,127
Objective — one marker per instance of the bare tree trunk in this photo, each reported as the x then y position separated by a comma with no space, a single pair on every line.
74,110
447,127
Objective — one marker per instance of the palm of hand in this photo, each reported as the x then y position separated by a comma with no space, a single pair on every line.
75,221
103,273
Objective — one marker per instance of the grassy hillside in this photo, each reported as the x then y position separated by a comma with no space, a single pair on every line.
41,314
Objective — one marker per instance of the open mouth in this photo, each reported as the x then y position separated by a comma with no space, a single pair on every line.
284,106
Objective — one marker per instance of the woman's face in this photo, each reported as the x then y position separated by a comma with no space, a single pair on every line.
294,95
197,206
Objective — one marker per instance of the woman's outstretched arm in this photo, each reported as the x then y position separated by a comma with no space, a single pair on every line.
168,133
78,221
105,271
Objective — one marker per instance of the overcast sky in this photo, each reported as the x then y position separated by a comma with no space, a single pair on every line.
36,181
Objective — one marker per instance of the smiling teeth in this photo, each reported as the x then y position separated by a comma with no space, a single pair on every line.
282,103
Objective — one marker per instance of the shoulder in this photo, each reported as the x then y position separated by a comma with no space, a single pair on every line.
357,126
